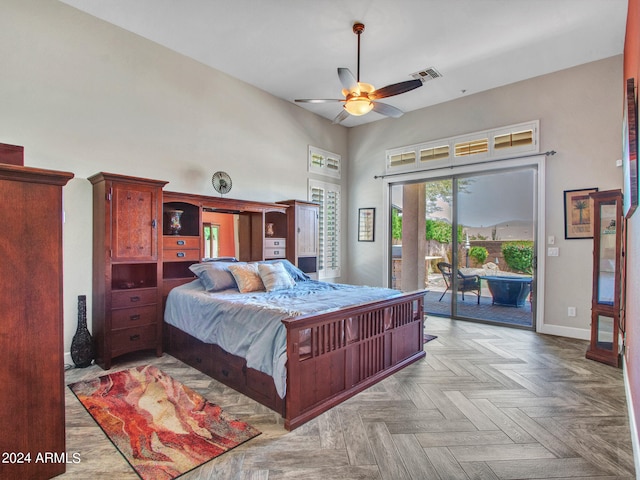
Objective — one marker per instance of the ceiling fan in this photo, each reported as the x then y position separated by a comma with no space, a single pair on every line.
361,98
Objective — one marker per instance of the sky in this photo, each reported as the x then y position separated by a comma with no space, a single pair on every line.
491,199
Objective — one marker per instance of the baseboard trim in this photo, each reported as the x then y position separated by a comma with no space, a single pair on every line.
635,441
560,331
67,359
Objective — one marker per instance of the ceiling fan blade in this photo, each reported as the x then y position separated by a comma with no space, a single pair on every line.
319,100
395,89
347,79
387,110
341,116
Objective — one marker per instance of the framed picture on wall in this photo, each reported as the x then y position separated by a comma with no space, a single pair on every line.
578,213
366,224
630,152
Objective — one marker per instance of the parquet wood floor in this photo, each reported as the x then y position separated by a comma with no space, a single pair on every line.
486,403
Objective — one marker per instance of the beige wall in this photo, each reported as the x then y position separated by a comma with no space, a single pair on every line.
580,118
84,96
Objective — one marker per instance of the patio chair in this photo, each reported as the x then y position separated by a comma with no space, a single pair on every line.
466,283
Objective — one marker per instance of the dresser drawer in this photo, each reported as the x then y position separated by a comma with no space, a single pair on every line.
132,339
178,242
275,253
134,297
275,242
180,255
134,317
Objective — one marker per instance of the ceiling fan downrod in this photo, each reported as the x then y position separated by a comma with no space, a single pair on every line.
358,28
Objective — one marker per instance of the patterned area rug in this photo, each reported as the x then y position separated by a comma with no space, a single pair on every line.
161,427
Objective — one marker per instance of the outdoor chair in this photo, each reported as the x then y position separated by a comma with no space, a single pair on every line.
466,283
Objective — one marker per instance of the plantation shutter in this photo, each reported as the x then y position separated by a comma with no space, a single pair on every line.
328,198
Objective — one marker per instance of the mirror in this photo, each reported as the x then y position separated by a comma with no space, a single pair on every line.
605,332
220,234
606,274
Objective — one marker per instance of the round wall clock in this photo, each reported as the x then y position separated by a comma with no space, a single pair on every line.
221,182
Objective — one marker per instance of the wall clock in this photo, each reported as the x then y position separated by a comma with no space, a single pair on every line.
221,182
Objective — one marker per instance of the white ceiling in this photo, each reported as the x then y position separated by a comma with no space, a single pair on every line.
292,48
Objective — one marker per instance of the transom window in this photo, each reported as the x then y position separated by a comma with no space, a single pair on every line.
495,144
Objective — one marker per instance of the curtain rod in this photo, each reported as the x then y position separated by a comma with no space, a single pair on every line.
547,153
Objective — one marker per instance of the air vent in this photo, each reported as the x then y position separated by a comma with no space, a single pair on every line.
427,74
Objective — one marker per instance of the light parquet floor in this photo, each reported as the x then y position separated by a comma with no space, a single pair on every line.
486,403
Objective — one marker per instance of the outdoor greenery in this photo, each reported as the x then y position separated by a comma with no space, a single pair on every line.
396,224
519,255
440,231
479,254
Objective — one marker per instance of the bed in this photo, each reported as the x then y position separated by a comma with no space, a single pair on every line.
299,346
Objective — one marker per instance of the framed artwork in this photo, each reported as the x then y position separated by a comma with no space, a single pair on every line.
630,152
366,224
578,213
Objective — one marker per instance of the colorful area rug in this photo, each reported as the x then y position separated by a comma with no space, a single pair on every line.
161,427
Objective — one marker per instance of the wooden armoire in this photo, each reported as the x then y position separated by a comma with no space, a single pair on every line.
31,332
127,265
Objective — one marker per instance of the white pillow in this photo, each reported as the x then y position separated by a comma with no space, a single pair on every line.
246,276
275,276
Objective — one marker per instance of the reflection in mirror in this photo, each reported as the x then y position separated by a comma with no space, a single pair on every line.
219,233
211,235
606,275
605,333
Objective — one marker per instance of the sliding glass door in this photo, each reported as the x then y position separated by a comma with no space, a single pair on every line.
469,240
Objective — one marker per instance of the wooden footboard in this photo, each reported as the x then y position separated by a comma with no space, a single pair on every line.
333,355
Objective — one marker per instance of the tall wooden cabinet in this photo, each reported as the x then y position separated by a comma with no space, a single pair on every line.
127,265
607,267
303,235
31,337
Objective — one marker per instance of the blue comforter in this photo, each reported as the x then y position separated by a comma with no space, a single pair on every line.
249,324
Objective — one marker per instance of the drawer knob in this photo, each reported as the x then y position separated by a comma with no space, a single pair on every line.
180,254
134,338
180,242
135,298
133,318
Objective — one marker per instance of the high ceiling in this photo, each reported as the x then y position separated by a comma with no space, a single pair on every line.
292,48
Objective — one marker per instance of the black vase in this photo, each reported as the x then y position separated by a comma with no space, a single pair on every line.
82,343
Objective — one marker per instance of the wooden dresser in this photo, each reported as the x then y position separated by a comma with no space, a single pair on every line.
127,265
31,337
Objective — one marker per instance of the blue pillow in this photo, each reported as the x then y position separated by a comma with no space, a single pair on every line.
297,274
214,275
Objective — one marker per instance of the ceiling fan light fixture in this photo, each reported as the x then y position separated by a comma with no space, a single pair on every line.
358,106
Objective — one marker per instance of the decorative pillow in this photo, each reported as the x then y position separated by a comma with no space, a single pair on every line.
247,276
296,274
275,276
214,275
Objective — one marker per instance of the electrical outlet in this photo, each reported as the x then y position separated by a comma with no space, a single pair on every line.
571,311
553,251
